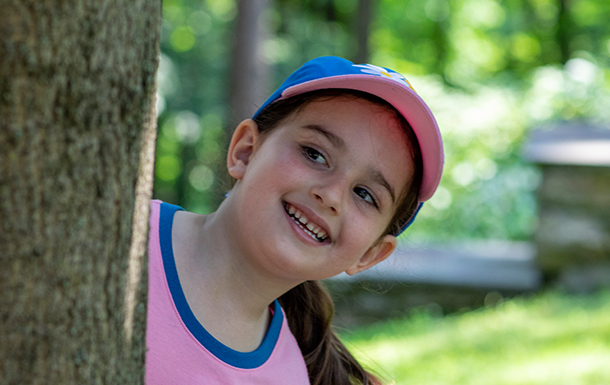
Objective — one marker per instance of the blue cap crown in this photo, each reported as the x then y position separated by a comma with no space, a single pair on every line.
329,66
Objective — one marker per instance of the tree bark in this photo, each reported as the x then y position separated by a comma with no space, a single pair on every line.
77,131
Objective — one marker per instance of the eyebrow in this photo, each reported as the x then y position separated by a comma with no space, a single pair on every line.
336,141
332,138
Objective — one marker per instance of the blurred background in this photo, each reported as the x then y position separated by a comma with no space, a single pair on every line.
503,278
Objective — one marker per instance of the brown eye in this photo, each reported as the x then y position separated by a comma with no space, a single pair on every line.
365,195
314,155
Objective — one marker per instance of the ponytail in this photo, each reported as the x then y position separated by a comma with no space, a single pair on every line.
309,312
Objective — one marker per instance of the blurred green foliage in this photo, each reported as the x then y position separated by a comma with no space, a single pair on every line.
490,71
550,338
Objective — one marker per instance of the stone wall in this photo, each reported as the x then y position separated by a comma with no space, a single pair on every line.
573,237
437,279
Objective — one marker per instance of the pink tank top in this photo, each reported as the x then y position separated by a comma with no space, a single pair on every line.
181,351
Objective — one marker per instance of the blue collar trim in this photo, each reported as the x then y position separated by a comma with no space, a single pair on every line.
232,357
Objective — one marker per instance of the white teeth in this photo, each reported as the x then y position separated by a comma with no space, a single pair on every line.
311,234
315,232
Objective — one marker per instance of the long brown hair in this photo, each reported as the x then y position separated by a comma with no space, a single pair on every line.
309,308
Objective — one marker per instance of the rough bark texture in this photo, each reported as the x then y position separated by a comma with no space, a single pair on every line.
77,130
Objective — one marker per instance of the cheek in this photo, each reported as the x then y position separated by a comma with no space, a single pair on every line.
291,167
279,170
362,232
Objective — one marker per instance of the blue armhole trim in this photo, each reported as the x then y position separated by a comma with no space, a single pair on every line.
232,357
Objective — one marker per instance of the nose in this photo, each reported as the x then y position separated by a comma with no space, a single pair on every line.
330,193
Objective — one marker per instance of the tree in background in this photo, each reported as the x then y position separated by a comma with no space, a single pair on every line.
77,130
364,16
193,98
249,72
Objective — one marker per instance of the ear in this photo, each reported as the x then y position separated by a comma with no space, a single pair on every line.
375,254
242,148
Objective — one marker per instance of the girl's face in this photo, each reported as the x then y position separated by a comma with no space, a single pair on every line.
316,193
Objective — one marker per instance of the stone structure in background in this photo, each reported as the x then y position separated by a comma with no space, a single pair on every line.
573,236
437,279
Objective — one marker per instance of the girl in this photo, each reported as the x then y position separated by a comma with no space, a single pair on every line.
334,165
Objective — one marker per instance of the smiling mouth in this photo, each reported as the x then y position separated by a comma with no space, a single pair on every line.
305,224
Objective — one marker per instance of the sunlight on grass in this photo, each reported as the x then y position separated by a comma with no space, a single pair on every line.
546,339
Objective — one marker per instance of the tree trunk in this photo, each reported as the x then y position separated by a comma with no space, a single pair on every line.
77,131
564,30
364,17
249,74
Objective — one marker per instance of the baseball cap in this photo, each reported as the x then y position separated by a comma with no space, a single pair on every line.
334,72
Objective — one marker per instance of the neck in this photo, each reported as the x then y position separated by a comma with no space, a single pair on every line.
227,258
216,273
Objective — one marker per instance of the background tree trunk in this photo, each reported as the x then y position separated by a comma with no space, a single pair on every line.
364,17
77,131
249,73
564,30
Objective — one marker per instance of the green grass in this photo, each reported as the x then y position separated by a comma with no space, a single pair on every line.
544,339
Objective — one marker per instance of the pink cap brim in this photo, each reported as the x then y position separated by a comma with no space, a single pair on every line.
408,103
